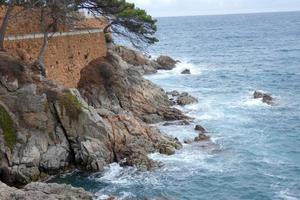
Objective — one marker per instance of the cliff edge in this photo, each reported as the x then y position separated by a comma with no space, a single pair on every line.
47,129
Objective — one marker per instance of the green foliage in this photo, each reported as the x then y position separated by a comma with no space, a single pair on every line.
7,126
108,37
72,106
124,20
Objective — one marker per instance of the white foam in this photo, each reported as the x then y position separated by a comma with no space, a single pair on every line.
251,102
116,174
286,195
124,195
195,70
192,157
254,102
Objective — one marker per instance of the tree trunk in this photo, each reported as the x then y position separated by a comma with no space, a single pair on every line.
40,62
5,23
41,57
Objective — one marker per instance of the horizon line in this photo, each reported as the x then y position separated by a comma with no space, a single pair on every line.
238,13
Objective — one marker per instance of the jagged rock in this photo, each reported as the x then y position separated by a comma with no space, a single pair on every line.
38,191
185,99
186,71
266,98
166,62
200,128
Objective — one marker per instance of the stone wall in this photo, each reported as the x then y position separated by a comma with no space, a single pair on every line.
66,55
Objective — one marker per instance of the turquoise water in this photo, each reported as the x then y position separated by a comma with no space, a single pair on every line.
257,151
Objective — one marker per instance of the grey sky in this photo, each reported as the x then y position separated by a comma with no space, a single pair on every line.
204,7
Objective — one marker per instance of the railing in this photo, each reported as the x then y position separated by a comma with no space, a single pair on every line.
58,34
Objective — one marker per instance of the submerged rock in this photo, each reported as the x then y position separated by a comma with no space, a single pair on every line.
186,71
166,62
266,97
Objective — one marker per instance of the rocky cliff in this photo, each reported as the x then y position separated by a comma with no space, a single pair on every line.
47,129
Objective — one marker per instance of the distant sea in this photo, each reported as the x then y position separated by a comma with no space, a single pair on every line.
257,153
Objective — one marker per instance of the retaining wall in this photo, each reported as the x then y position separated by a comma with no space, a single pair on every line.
67,53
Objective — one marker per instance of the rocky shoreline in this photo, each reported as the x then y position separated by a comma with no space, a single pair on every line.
47,129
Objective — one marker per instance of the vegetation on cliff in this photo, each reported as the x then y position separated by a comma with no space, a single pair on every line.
7,126
72,105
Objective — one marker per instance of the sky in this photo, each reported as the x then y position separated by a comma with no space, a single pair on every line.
162,8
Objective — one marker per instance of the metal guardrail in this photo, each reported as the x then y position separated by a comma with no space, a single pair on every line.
58,34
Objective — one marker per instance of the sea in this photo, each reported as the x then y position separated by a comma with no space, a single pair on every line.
255,153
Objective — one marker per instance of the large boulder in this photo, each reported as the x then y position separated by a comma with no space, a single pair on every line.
166,62
38,191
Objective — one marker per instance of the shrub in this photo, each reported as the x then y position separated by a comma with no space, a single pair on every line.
108,37
72,106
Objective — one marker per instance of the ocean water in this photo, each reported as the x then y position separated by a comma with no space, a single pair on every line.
256,150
